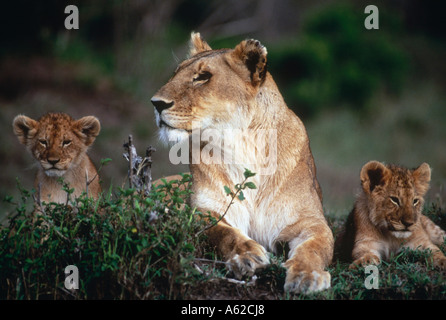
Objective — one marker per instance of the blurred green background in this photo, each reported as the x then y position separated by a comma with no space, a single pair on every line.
362,94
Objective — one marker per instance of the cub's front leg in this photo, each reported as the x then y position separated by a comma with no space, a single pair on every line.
422,240
365,253
242,254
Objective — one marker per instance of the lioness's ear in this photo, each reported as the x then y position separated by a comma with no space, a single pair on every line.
253,55
89,127
197,44
422,178
24,128
373,174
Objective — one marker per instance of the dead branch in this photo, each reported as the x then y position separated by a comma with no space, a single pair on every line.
140,168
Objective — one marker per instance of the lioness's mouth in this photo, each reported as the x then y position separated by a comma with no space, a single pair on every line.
164,124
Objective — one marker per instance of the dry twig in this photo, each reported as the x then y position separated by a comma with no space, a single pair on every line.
140,168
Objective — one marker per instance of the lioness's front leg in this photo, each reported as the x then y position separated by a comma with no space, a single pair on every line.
311,251
243,255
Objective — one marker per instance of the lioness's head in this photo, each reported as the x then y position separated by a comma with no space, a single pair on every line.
395,195
210,89
57,141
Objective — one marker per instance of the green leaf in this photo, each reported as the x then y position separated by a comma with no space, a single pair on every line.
241,197
8,199
227,190
176,199
250,185
105,161
248,173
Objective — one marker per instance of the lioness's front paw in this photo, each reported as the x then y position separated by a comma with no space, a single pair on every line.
307,282
246,263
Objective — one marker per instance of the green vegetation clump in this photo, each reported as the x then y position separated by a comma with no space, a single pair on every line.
125,246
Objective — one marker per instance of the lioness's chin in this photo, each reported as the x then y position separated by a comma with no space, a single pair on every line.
172,136
401,234
55,172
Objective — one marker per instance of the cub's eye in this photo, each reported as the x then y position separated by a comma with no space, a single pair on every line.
43,142
202,77
66,143
416,202
395,200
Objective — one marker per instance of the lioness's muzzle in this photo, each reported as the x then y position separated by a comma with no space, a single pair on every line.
161,104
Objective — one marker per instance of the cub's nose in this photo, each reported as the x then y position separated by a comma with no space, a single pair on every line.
161,104
407,223
53,161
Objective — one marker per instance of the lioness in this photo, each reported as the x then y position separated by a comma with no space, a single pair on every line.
59,144
230,90
387,216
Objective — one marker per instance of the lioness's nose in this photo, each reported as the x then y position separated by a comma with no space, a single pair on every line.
161,104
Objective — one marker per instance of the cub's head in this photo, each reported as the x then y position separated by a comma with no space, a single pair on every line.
210,89
57,141
395,196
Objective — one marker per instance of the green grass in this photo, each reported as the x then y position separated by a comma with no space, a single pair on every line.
127,246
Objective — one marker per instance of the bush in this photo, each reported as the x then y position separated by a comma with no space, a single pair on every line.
125,246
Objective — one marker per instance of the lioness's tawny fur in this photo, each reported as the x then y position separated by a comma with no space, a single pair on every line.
59,144
227,106
387,216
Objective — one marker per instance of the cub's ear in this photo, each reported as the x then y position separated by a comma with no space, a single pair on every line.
373,174
197,44
24,128
252,54
422,178
89,127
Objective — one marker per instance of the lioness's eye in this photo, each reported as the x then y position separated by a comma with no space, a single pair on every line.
43,142
416,201
203,76
66,142
395,200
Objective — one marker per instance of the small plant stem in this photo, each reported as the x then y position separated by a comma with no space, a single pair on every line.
238,189
86,181
130,161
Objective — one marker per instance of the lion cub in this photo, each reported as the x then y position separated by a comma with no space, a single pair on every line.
387,216
59,144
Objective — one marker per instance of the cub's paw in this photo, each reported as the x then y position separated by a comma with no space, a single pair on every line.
246,263
365,260
440,262
307,281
